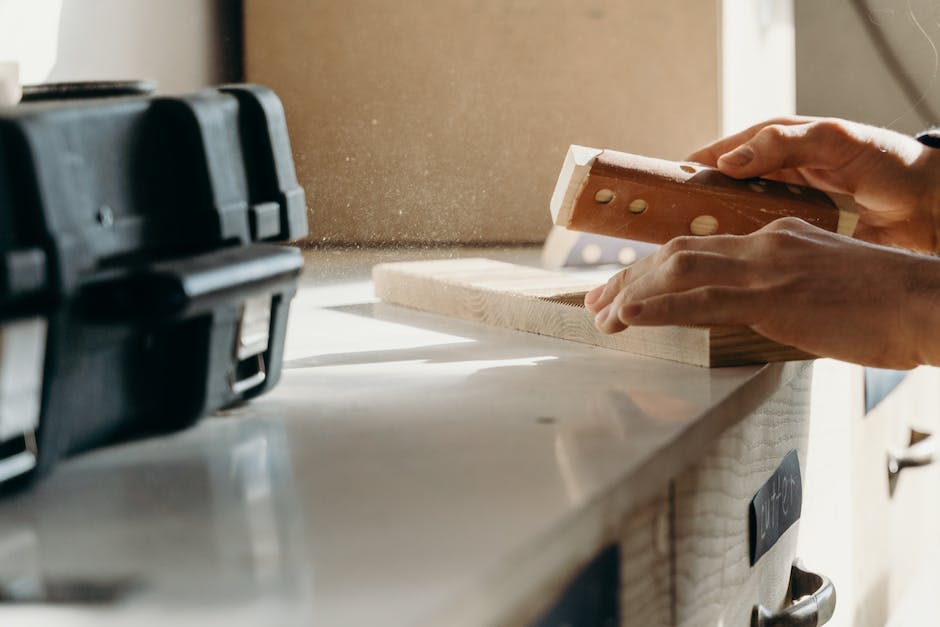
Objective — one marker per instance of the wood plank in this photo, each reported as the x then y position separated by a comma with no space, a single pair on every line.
549,303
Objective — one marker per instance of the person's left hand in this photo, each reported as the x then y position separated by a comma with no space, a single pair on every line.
794,283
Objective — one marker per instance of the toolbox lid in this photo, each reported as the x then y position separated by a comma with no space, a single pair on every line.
98,183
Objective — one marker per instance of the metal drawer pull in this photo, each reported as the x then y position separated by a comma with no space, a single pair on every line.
815,601
922,451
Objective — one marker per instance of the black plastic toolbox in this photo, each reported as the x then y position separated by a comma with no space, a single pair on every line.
139,288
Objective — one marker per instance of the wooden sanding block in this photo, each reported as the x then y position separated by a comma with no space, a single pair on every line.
653,200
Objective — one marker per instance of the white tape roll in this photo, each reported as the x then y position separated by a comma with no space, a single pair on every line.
29,36
10,91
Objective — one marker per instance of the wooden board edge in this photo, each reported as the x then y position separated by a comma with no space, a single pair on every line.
396,285
411,285
740,345
574,171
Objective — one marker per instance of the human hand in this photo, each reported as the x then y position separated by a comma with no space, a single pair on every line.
894,178
791,282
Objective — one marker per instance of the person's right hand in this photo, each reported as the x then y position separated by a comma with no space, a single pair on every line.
893,177
792,282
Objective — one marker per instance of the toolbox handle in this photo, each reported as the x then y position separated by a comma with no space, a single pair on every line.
182,288
815,602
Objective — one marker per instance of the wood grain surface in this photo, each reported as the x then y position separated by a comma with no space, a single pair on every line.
714,581
549,303
646,583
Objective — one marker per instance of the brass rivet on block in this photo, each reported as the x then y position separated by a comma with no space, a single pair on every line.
704,225
795,189
626,256
757,187
638,206
591,254
604,196
687,168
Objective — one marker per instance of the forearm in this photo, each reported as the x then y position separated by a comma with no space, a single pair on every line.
927,171
920,315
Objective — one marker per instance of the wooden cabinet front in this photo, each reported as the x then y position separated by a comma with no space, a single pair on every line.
715,583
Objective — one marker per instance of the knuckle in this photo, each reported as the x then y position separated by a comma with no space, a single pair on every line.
712,295
788,120
788,224
676,245
829,130
682,264
782,230
779,237
618,280
775,133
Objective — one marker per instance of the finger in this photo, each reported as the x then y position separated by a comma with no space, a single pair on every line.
591,297
722,244
710,153
681,272
602,295
677,272
819,145
598,301
688,270
704,306
607,320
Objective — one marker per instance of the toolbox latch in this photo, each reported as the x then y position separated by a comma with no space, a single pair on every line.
22,357
251,343
22,272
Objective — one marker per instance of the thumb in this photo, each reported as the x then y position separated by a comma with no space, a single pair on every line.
822,145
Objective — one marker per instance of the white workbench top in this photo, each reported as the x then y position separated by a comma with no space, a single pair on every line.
408,470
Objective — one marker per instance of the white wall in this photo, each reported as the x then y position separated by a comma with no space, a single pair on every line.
758,62
28,39
840,72
183,44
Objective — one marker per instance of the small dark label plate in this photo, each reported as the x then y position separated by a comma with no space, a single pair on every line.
776,506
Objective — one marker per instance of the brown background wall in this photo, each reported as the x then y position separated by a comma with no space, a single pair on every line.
448,121
502,86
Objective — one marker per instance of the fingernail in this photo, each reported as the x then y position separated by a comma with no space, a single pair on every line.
742,155
630,311
602,316
593,295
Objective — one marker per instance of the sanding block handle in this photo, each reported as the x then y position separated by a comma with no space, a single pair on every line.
653,200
